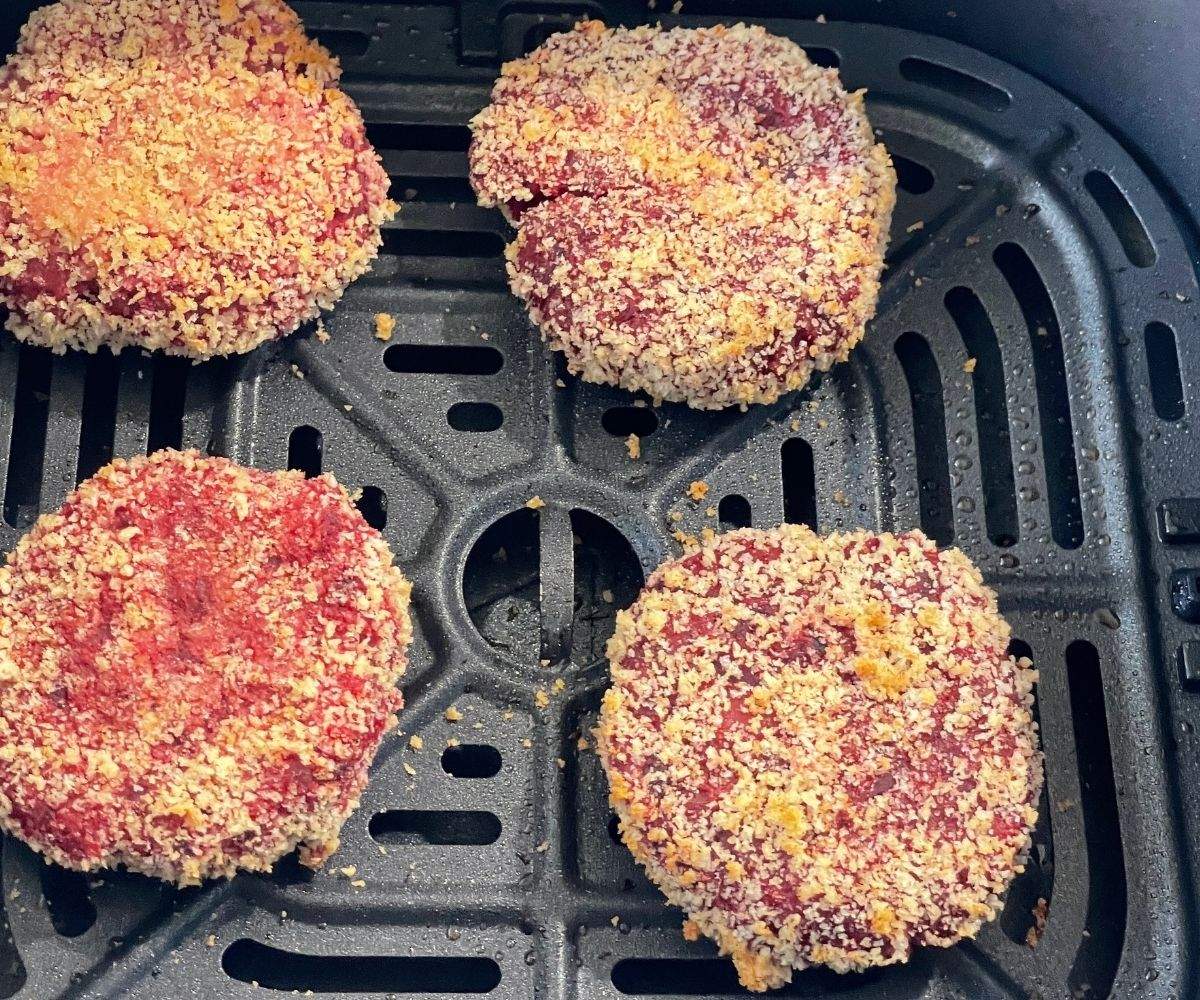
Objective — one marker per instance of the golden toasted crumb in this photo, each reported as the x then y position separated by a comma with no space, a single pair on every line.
698,490
1040,911
349,870
452,714
969,365
385,326
633,445
416,742
535,503
541,698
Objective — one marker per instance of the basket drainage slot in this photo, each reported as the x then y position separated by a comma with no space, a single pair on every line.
1126,225
929,436
98,419
799,483
991,414
1104,934
372,504
31,412
1166,381
69,900
304,450
472,760
714,976
1054,402
343,44
437,827
734,512
249,961
954,81
443,138
168,396
442,359
911,176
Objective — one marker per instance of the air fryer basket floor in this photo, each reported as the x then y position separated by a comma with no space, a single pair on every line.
1024,238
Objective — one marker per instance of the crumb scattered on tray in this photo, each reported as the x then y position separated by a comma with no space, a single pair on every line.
416,742
969,365
535,503
1034,934
698,490
452,714
541,698
634,444
385,326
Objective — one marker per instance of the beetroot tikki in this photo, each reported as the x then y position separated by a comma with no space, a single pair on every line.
701,214
197,665
820,748
180,176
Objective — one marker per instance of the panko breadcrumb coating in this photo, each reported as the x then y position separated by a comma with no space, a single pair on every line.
702,213
197,664
820,748
179,175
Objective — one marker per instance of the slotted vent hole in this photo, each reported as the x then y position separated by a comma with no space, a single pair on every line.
1057,439
911,176
1126,225
99,414
31,412
69,900
442,359
955,82
343,44
822,56
250,961
991,414
435,827
448,138
621,421
799,483
711,977
434,190
929,433
442,243
614,829
168,397
304,450
1162,363
734,512
1104,926
1023,902
373,505
472,760
475,417
608,577
501,583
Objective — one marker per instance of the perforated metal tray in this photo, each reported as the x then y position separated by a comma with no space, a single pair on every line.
1024,238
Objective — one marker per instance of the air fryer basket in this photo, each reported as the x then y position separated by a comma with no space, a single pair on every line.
1025,238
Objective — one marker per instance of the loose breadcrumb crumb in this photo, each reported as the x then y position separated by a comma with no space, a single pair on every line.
385,326
633,445
969,365
415,742
452,714
698,490
535,503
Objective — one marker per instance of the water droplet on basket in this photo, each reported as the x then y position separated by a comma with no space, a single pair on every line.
965,504
1025,467
1028,493
962,462
1009,561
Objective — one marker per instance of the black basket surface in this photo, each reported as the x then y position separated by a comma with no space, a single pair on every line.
1025,237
